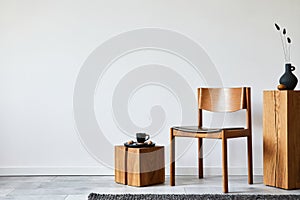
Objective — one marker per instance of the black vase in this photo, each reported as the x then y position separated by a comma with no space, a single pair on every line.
288,78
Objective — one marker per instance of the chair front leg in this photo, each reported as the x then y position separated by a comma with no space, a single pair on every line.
200,157
172,158
250,164
224,164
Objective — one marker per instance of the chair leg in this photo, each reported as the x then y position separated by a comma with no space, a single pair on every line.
224,163
250,164
172,158
200,157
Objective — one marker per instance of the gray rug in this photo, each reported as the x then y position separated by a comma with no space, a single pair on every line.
94,196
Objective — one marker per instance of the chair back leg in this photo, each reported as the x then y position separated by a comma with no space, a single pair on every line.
172,158
224,165
200,157
250,164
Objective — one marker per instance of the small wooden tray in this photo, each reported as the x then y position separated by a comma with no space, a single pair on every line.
139,145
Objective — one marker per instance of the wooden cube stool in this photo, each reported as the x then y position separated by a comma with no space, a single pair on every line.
139,166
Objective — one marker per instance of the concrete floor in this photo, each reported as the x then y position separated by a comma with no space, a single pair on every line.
79,187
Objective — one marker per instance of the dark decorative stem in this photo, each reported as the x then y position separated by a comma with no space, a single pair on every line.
289,48
286,43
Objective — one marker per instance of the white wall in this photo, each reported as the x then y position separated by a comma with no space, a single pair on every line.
44,44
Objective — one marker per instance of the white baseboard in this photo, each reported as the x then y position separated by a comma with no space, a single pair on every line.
32,171
43,171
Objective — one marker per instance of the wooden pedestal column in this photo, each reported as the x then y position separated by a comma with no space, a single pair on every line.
281,138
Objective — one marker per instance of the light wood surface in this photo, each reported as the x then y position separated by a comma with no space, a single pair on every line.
218,100
281,139
250,161
224,165
200,157
222,99
172,158
229,133
200,145
143,166
120,164
249,135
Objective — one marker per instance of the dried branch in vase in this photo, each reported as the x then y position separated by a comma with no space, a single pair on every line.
286,43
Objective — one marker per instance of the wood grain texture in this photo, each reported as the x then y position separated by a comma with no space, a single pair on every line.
120,164
222,99
144,166
230,133
249,137
172,158
178,133
281,139
294,139
281,126
269,138
224,165
250,160
200,158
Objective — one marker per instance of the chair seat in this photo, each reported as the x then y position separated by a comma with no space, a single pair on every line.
197,129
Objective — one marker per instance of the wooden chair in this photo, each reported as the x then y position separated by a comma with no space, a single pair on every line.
217,100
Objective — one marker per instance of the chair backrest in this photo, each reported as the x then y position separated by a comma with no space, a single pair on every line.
225,100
